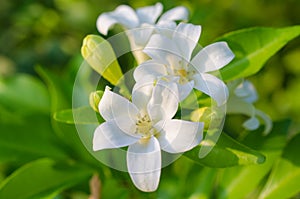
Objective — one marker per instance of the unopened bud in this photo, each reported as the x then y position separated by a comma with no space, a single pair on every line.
101,57
202,115
95,98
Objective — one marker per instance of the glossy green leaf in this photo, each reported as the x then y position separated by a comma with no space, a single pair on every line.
253,47
61,98
249,177
60,90
22,141
42,178
101,57
24,94
227,152
82,115
284,179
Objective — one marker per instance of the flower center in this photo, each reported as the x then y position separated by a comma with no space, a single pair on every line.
184,75
144,126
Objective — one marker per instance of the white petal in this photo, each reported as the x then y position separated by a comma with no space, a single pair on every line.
267,121
162,49
149,68
236,105
164,101
114,106
138,37
211,86
175,14
142,92
127,124
165,28
246,91
251,124
212,57
177,136
144,164
108,136
186,37
185,89
123,14
149,14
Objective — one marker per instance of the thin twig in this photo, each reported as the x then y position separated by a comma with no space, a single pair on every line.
95,187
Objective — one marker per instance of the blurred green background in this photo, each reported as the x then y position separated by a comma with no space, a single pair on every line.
49,33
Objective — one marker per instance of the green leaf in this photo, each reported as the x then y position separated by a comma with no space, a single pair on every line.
42,178
101,57
227,152
82,115
249,177
22,141
284,179
24,93
61,98
60,90
204,181
253,47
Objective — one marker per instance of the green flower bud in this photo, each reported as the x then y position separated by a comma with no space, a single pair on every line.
101,57
95,98
203,114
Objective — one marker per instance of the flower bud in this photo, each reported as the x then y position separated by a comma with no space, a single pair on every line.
94,99
203,114
101,57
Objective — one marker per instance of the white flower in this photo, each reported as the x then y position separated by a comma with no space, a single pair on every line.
129,18
241,99
147,127
171,59
245,90
145,18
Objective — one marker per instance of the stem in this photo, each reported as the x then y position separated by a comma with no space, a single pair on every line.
95,187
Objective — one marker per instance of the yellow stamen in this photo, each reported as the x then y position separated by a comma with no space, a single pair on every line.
182,72
144,126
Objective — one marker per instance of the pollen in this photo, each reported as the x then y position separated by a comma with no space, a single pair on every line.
144,126
182,72
184,75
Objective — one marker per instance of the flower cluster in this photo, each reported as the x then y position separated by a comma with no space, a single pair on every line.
144,21
242,97
170,67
